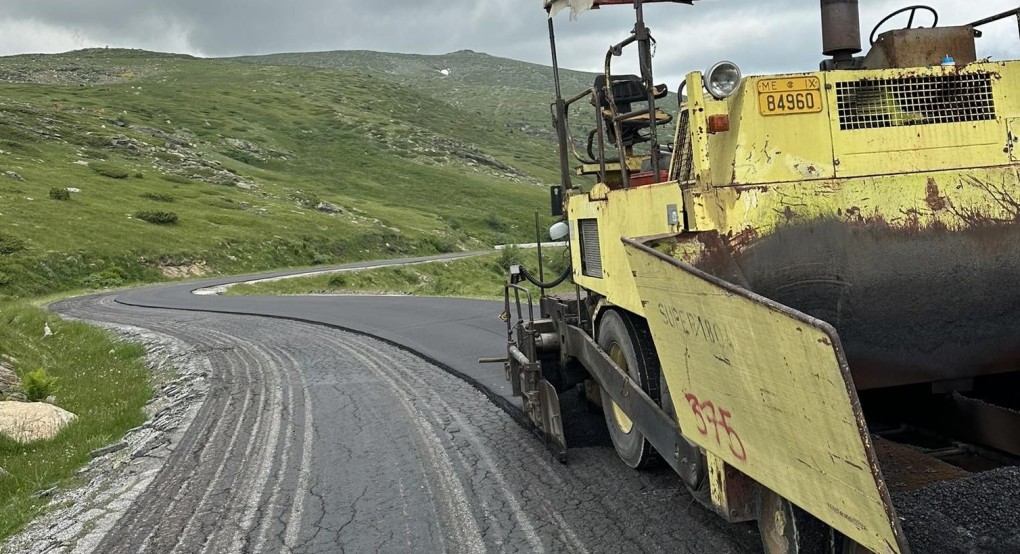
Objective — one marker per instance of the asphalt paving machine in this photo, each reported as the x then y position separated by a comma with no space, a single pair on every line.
807,299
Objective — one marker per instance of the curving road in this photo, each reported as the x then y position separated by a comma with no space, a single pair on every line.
312,438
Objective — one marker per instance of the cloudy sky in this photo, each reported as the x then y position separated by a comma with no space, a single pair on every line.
759,35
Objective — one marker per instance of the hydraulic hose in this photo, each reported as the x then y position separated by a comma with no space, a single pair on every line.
534,281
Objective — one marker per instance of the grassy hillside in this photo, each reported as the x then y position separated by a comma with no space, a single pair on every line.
517,94
263,165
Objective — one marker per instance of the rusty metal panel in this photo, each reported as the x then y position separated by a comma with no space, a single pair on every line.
682,168
1013,138
767,390
922,47
916,271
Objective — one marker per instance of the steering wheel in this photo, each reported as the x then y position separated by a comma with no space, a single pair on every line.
910,23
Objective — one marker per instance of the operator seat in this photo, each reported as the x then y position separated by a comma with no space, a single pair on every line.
628,90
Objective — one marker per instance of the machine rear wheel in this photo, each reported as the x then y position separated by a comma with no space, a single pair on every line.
629,343
786,529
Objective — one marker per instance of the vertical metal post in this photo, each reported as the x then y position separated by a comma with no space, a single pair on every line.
538,242
645,60
560,117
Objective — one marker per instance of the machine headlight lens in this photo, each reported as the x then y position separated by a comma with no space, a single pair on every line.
722,79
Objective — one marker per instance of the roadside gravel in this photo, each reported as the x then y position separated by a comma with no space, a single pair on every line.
78,518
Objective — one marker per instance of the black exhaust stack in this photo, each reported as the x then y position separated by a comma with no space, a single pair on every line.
841,30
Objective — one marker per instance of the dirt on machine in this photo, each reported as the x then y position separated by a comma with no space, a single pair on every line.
798,291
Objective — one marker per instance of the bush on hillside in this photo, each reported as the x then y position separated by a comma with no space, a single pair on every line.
158,196
111,171
337,281
109,277
9,245
157,217
177,179
58,193
510,255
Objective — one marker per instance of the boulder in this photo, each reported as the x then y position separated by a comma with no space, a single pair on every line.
32,421
9,381
329,208
4,474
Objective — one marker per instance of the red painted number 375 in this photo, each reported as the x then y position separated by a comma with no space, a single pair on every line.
713,420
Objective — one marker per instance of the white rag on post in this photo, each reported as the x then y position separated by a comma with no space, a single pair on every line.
576,6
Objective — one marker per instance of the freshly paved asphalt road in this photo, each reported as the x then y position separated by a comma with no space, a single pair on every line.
315,439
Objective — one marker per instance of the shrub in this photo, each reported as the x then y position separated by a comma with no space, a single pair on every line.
111,171
10,245
171,178
39,385
58,193
440,244
109,277
157,217
510,255
337,281
158,196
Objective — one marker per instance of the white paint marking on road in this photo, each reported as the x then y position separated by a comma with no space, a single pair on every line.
301,490
268,512
527,527
203,457
468,532
198,509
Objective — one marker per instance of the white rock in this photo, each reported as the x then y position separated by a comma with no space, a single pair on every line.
32,421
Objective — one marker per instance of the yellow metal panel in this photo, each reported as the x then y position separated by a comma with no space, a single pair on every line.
766,390
922,147
916,200
636,211
761,148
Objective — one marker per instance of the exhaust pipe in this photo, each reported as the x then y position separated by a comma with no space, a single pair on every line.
841,29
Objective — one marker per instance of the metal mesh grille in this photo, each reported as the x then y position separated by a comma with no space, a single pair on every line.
591,253
683,154
875,103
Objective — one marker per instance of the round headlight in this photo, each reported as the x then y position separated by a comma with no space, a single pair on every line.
722,79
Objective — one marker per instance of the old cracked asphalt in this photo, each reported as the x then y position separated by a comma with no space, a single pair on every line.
312,439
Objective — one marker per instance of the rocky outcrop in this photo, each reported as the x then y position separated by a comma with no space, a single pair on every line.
10,383
329,207
32,421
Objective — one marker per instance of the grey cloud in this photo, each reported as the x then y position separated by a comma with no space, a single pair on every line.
779,35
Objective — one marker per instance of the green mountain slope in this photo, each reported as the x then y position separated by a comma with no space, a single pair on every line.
517,93
263,165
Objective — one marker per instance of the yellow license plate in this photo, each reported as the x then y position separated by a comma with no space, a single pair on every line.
790,95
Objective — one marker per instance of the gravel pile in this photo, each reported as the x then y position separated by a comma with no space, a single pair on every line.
979,514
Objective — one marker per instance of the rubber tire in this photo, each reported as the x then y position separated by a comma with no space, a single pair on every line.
635,342
798,533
